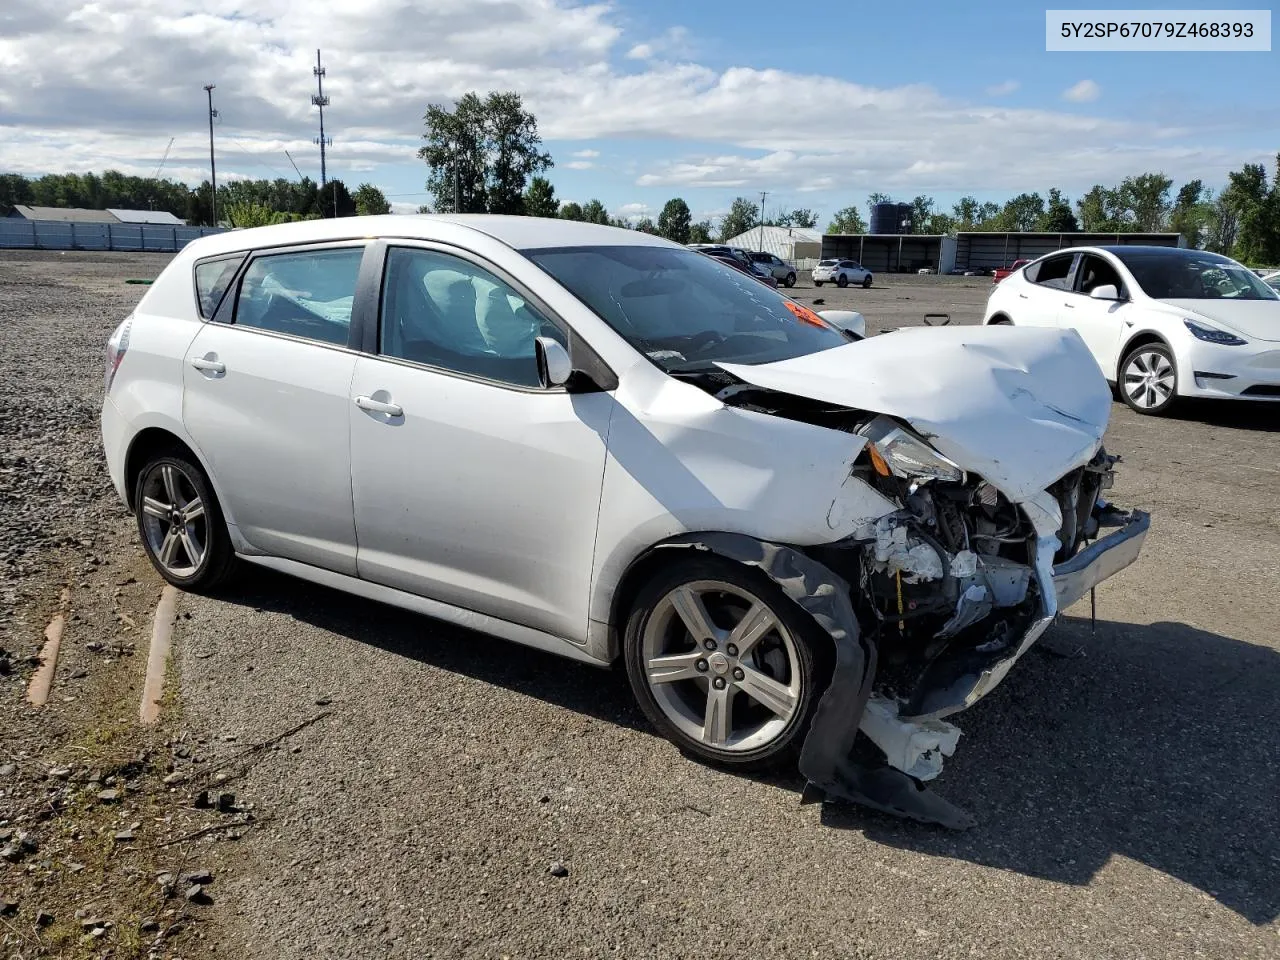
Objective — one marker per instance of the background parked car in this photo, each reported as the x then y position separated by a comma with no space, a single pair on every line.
841,273
1272,280
1001,272
778,268
1162,322
748,268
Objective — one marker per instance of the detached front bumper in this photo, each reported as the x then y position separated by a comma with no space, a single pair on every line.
958,684
1105,558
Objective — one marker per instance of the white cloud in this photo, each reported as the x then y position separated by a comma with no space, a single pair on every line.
154,56
1086,91
578,165
1003,89
634,212
587,154
641,51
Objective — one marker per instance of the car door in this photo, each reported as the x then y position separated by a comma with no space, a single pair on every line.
1038,300
473,484
266,388
1099,322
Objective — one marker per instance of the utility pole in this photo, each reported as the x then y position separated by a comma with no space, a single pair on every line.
763,194
321,101
213,170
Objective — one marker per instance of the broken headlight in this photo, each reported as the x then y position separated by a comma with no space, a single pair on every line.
901,452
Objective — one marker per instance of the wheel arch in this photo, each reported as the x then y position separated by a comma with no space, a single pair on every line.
999,318
1140,339
152,440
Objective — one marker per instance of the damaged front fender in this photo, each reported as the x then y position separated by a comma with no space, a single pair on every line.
827,758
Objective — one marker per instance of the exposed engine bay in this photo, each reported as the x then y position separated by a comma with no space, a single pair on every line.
947,591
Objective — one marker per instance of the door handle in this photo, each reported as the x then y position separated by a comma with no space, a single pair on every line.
209,365
1022,296
1069,306
379,406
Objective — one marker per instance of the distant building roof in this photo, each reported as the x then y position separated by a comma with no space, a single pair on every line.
147,216
776,240
65,214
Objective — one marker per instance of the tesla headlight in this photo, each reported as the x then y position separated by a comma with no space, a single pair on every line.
1213,334
905,455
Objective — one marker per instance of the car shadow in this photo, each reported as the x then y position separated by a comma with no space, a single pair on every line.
1239,414
1157,743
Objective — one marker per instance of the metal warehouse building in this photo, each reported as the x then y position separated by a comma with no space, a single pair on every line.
785,243
907,253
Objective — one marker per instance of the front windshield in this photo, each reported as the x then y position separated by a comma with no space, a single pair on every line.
685,311
1165,276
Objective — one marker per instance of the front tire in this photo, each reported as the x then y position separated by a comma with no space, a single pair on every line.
842,281
818,283
866,282
723,664
181,523
790,280
1149,379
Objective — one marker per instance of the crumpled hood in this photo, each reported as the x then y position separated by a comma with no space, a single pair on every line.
1019,406
1259,319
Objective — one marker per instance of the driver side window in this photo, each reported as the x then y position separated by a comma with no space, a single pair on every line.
449,313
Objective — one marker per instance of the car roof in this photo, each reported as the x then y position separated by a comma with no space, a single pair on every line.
522,233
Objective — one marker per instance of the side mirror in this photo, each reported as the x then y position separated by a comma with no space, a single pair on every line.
849,320
554,366
1106,291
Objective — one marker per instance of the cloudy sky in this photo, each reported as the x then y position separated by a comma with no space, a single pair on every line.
637,100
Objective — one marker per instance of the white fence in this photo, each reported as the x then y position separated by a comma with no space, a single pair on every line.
19,234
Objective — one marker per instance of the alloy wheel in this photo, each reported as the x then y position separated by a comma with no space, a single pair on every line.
174,520
722,666
1149,379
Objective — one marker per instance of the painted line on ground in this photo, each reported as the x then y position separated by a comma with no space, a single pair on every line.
158,657
42,679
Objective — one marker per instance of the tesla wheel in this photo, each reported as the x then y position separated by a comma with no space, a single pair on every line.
181,524
790,280
866,282
723,664
1149,379
842,281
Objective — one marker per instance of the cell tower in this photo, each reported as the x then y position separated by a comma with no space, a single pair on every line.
321,101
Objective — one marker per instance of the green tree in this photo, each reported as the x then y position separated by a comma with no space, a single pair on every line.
246,213
1256,205
1145,201
1021,213
1101,211
673,221
571,211
800,217
847,221
593,211
921,211
965,212
485,150
646,225
1222,224
1058,216
742,216
878,198
370,200
540,199
700,232
1190,214
14,189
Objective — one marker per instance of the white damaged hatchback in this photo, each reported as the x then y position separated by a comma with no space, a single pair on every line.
804,546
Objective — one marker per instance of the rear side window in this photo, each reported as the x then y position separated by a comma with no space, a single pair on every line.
213,277
1052,272
307,294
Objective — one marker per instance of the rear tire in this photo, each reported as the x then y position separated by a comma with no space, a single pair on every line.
818,283
181,524
790,280
784,659
1149,379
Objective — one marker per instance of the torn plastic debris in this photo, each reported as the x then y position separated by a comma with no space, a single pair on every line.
826,758
916,747
898,550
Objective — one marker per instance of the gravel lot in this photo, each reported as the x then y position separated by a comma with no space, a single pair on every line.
1126,781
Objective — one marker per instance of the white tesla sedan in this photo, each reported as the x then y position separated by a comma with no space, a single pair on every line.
1162,322
605,445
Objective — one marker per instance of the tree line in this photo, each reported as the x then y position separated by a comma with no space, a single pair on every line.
242,203
1241,220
